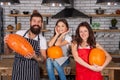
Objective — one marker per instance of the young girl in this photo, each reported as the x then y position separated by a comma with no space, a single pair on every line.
63,40
82,44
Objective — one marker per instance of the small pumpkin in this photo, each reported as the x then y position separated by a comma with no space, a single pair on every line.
54,52
19,44
97,56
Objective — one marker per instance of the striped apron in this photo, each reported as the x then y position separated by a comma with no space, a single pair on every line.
27,69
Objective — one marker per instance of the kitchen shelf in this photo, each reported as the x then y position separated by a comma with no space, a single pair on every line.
44,30
28,15
12,31
104,15
106,30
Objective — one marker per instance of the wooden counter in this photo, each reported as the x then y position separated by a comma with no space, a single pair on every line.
6,68
111,69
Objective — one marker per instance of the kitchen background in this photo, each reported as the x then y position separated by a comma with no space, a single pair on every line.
109,40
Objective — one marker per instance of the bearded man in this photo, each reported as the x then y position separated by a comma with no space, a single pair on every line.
26,67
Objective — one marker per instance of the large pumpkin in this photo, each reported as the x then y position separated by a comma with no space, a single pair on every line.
97,56
19,44
54,52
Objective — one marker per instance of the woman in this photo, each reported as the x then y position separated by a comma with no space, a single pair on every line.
81,46
62,39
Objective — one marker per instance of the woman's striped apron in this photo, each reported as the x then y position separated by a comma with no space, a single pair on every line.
27,69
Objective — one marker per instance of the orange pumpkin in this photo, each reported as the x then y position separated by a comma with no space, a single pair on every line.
54,52
97,56
19,44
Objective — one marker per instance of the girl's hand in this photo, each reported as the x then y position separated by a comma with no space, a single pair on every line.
66,32
56,31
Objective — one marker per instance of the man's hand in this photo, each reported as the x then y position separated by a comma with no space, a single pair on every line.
30,55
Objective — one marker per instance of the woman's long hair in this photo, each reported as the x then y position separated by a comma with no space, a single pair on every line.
91,39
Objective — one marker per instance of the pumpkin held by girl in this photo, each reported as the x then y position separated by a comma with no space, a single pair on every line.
97,57
54,52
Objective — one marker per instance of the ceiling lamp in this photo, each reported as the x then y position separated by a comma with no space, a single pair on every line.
55,2
9,2
108,2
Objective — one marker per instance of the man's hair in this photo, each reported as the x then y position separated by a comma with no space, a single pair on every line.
36,14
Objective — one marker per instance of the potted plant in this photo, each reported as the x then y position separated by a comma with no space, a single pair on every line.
113,23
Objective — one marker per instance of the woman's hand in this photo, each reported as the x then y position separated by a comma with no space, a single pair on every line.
96,68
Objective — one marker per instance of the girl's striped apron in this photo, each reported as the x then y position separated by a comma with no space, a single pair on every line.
27,69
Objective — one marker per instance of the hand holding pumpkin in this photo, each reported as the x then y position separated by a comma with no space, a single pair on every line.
20,45
96,68
99,68
30,55
34,56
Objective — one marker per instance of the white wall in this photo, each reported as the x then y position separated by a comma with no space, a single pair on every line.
86,6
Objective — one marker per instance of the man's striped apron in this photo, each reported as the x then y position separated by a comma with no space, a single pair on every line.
27,69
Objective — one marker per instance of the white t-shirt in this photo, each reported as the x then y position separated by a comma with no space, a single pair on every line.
65,48
43,42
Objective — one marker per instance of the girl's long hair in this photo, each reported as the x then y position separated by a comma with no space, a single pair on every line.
91,39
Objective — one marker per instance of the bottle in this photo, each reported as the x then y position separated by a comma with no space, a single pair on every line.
18,26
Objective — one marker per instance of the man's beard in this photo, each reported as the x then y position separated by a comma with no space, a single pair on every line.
35,29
